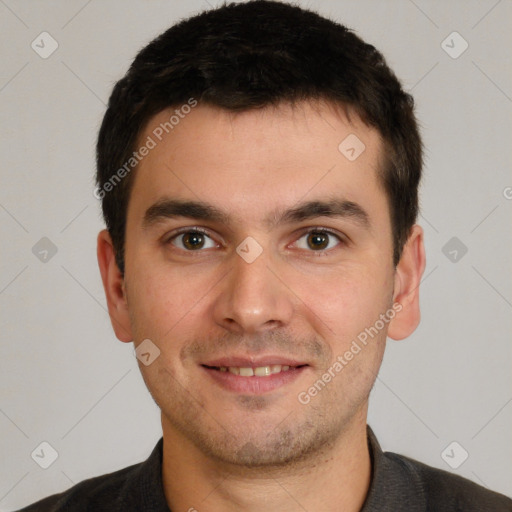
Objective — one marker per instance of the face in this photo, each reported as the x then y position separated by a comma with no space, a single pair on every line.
257,254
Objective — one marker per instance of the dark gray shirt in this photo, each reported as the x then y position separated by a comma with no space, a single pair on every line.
398,484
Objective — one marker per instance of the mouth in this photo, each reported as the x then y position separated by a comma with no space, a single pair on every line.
253,378
256,371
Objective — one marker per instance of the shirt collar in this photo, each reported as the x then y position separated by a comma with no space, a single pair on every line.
393,486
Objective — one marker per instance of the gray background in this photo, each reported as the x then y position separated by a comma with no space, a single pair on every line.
66,380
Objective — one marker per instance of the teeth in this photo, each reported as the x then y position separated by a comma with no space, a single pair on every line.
245,372
260,371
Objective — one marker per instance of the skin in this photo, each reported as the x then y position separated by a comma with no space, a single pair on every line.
226,450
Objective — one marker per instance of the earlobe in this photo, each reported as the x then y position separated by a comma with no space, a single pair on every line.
114,286
408,275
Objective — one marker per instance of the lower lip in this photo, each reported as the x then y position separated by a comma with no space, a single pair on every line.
254,385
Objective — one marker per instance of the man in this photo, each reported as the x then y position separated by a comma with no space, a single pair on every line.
258,168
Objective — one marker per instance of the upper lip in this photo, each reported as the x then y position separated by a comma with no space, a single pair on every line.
253,362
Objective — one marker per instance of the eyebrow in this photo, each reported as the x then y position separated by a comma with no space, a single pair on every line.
167,208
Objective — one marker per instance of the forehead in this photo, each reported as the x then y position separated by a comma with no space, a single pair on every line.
249,163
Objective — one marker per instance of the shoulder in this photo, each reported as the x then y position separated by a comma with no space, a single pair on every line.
98,493
402,484
443,490
136,487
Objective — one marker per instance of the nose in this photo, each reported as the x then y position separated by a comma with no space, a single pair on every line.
253,297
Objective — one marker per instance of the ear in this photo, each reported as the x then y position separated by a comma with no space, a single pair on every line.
113,284
408,274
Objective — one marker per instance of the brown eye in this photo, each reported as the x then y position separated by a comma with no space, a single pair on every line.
318,240
192,240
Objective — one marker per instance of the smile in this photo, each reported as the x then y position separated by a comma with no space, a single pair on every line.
254,380
258,371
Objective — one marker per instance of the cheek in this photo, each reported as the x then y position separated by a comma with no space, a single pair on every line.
347,300
162,299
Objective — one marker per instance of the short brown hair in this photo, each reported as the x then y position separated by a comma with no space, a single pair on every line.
243,56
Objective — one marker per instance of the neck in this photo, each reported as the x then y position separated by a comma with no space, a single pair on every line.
337,479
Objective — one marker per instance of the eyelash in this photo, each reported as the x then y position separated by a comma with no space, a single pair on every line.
316,230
